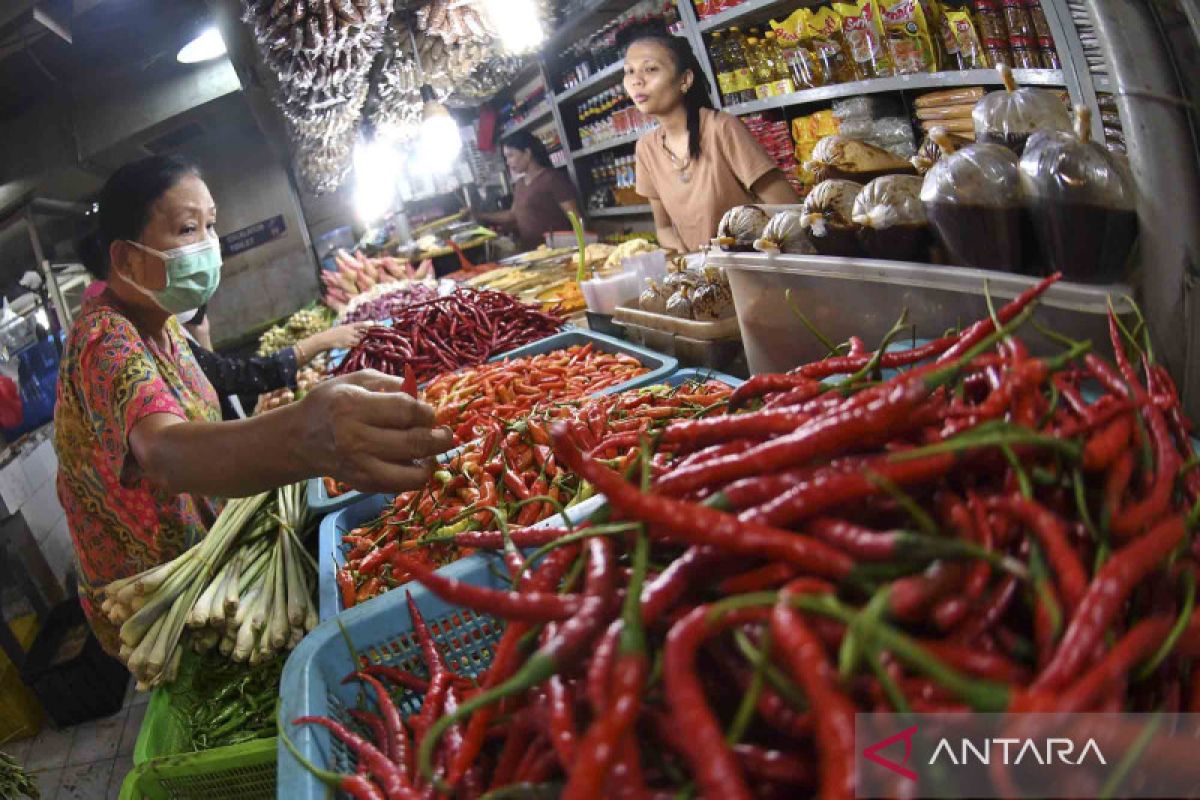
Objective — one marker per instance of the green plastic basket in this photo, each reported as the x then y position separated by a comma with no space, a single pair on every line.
165,767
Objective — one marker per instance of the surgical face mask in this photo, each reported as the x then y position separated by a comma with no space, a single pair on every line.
193,274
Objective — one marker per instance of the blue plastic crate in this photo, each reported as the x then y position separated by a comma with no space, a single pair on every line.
660,366
332,555
382,634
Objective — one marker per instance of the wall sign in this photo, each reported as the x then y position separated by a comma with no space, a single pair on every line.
248,238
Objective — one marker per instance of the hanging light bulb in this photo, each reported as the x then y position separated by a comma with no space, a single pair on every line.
376,170
439,141
518,24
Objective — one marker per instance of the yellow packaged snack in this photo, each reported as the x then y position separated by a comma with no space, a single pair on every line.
962,28
826,123
862,31
907,33
823,32
791,30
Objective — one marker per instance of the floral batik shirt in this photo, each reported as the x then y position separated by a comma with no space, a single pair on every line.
110,379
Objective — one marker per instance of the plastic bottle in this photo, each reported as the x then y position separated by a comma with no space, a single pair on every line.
736,52
720,65
782,77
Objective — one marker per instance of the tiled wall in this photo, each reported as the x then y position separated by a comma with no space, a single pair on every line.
27,487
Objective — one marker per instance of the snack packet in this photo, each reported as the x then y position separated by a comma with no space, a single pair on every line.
907,32
862,30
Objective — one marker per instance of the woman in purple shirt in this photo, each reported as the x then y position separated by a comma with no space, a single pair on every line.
542,195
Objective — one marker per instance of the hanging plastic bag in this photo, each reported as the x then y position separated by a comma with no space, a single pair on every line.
1010,116
740,226
974,202
892,218
1082,201
828,218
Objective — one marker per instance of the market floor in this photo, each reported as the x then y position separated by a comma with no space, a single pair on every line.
88,761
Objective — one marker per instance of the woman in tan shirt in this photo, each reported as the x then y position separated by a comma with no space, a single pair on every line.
698,163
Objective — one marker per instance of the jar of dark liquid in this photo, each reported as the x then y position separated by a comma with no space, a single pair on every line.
1082,203
974,203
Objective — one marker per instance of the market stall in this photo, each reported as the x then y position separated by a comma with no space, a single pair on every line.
919,445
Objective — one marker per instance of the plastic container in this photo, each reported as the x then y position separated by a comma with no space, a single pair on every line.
602,295
381,633
332,557
713,345
241,772
863,297
75,680
20,712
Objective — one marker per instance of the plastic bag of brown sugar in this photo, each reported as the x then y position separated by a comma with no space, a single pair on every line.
961,111
1082,202
892,218
929,153
974,201
1008,117
828,218
950,97
839,157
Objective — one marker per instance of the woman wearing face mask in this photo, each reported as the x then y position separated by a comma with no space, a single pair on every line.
140,444
698,163
542,195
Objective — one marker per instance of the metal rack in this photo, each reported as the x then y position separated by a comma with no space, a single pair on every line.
1075,76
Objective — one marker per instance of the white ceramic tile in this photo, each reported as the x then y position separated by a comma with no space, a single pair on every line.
48,781
14,486
37,468
97,741
42,511
121,768
133,725
50,749
85,781
18,750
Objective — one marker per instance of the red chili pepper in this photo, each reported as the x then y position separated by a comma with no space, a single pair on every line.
397,736
766,577
1108,591
399,677
379,767
775,766
696,524
712,762
1105,446
760,385
1051,533
833,712
564,736
345,584
1133,519
984,327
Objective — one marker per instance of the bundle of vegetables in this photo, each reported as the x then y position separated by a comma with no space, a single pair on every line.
459,330
387,299
304,323
16,782
358,274
510,472
246,589
969,535
471,401
553,286
306,379
220,703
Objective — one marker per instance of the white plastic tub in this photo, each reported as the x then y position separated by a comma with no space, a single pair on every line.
846,297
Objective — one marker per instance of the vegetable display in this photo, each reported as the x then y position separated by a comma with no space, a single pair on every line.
510,472
16,782
471,402
985,530
220,703
387,299
246,588
304,323
359,274
459,330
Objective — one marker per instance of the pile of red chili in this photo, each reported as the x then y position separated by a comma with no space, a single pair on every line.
511,471
462,329
987,530
473,401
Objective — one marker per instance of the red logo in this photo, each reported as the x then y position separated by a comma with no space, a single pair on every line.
901,769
